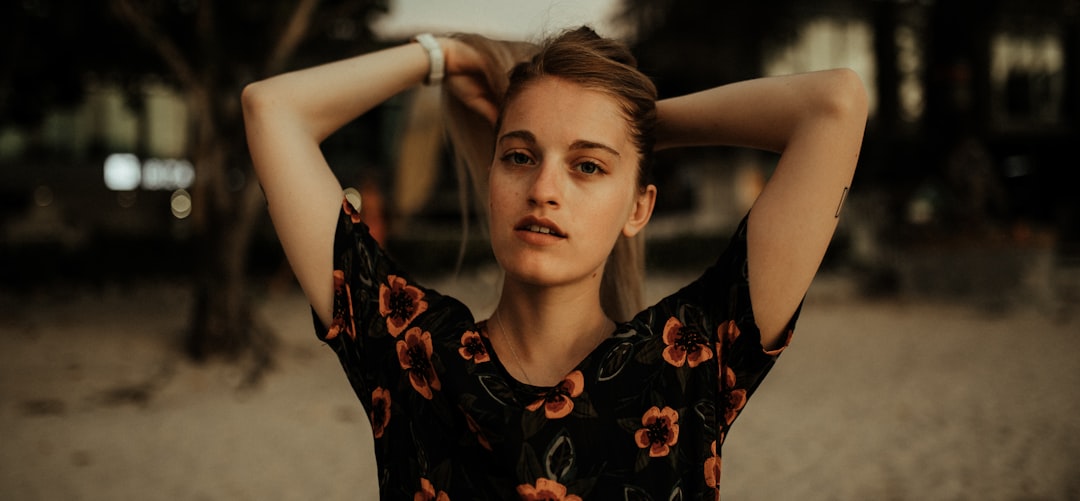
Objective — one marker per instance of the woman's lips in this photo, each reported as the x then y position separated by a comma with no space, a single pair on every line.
538,230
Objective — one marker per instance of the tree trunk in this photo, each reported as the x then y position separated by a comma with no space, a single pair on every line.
223,323
197,45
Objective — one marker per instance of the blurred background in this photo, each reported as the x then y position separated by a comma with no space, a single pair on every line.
135,249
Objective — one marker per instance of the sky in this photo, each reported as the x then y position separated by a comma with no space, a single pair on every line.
507,19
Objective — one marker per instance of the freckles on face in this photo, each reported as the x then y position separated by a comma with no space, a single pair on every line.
554,123
565,167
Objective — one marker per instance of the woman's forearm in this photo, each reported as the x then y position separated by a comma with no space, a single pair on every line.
323,98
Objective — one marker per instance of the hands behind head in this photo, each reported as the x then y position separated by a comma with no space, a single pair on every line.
466,79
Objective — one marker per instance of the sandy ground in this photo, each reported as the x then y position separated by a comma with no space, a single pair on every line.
881,400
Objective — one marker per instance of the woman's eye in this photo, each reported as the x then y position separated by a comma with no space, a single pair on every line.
518,158
588,168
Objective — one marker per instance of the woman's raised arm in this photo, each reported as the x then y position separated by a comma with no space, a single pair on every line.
816,122
286,118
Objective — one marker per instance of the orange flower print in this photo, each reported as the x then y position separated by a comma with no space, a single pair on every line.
400,303
427,492
475,428
787,340
558,401
732,399
341,289
660,432
472,348
380,411
685,345
414,355
728,331
712,469
545,490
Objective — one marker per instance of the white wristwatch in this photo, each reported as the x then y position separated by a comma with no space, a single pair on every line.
436,59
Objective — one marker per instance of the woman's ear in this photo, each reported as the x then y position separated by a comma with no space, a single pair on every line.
641,212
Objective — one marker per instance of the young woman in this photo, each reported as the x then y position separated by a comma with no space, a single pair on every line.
570,390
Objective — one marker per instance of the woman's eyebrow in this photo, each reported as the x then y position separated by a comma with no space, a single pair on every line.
523,135
582,144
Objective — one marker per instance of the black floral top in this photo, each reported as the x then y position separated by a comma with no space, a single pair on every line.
642,417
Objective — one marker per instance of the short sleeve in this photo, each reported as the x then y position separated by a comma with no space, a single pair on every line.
398,344
710,322
383,321
360,266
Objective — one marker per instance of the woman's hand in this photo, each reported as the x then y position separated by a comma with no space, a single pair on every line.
466,78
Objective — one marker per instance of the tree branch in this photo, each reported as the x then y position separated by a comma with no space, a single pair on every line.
145,26
206,27
291,36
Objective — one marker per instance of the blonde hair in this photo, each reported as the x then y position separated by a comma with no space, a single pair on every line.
582,57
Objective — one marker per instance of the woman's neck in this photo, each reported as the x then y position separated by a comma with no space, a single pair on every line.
542,333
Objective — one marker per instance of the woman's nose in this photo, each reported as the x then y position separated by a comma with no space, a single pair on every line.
546,188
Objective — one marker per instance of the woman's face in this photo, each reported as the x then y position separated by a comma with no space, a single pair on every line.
563,184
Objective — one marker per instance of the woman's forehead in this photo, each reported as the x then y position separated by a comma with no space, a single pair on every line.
554,109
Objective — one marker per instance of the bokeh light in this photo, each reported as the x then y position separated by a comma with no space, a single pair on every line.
122,172
180,203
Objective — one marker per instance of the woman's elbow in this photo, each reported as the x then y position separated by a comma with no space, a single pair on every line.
845,95
253,99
